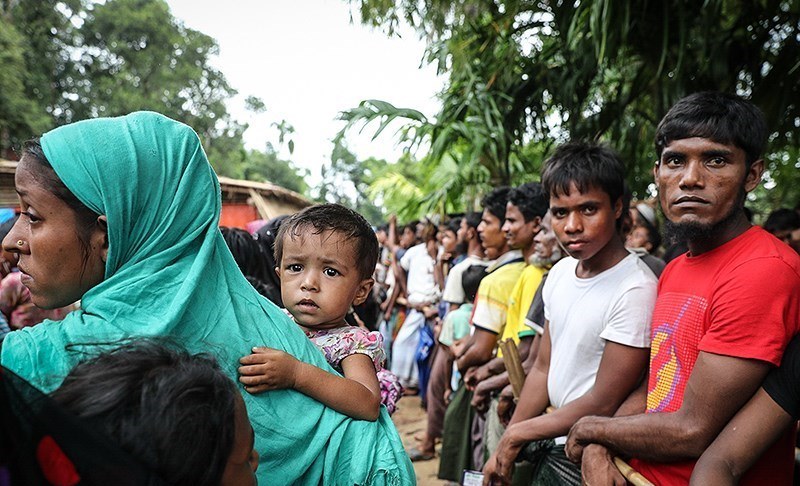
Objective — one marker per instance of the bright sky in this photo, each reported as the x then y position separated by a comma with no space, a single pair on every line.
307,61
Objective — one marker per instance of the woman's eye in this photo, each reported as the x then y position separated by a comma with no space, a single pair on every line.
331,272
31,217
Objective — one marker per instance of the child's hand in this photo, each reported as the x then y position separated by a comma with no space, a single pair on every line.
268,369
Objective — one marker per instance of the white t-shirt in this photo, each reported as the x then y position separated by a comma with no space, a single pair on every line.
453,289
584,313
420,282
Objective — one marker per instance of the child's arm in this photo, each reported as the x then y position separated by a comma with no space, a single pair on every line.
356,395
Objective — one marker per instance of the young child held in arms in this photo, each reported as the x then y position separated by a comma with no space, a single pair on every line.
326,255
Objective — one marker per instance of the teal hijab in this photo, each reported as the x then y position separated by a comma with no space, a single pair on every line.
170,274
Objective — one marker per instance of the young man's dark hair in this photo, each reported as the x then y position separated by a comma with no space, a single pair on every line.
495,202
531,200
338,219
471,280
473,219
585,165
453,225
721,117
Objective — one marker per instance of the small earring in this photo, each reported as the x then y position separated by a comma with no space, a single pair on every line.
20,243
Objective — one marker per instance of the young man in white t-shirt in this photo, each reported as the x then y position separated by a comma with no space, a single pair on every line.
598,305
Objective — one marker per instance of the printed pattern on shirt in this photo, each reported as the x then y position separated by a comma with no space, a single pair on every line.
676,331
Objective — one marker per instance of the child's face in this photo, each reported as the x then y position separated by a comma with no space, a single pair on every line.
584,222
320,279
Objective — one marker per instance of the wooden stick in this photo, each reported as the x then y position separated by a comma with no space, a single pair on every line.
513,364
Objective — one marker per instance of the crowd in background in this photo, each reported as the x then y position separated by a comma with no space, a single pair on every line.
607,317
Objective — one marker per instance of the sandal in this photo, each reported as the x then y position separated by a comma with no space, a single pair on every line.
417,455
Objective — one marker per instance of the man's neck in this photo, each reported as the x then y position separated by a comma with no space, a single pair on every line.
611,254
527,252
719,235
474,248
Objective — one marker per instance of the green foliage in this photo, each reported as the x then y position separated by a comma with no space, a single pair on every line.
346,180
68,60
528,73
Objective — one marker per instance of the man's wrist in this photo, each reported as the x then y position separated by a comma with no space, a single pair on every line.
586,430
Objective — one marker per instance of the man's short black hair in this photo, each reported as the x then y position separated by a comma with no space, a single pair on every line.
454,225
495,202
473,219
471,280
783,219
338,219
530,199
586,165
723,118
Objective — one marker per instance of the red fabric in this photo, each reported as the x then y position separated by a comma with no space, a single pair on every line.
58,470
742,300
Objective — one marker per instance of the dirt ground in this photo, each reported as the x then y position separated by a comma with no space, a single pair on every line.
410,420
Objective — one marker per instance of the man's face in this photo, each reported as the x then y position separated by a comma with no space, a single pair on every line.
519,232
546,251
639,237
701,182
463,232
584,222
493,239
449,241
407,238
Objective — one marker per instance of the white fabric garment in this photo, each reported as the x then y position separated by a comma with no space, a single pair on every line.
584,313
453,289
421,286
405,347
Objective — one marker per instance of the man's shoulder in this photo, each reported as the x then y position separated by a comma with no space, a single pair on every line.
468,262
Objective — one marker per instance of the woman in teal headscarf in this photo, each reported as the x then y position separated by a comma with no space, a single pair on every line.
122,213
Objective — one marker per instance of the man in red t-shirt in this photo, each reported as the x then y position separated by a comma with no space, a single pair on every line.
725,311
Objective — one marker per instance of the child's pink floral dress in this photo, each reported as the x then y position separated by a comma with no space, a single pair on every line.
337,344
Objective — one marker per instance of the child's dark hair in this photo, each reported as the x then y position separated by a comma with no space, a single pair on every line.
247,252
585,165
530,199
471,280
171,411
782,219
495,202
721,117
85,218
338,219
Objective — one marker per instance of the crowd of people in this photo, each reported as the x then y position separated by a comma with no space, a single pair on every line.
142,345
624,355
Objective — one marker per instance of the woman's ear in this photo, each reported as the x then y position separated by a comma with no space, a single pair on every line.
102,225
363,291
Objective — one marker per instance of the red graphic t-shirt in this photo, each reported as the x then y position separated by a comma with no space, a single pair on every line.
742,300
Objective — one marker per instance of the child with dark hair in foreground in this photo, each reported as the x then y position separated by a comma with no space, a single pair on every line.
326,255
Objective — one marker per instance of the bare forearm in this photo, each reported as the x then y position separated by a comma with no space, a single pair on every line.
473,356
496,366
635,404
534,399
666,438
341,394
496,382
